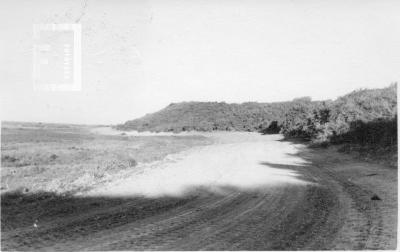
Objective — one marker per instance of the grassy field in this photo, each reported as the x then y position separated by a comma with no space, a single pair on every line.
70,158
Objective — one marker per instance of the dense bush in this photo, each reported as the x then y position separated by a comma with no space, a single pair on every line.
382,132
366,117
209,116
273,128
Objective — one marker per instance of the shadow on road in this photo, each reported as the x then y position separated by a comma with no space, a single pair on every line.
31,219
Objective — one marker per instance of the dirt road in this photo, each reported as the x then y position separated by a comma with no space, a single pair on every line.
246,192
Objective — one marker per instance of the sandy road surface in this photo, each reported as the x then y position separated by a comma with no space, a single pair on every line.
247,192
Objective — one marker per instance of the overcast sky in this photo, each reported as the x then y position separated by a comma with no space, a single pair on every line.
139,56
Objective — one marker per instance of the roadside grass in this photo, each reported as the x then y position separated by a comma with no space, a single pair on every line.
69,158
387,155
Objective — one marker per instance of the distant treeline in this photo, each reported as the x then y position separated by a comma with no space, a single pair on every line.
367,117
209,116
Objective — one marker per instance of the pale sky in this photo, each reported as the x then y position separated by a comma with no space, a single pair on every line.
139,56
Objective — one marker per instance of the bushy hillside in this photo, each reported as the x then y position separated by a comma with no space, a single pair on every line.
333,120
208,116
366,117
364,120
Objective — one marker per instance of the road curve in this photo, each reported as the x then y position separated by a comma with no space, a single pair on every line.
243,193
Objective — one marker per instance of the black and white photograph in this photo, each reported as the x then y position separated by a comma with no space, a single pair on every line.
186,125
